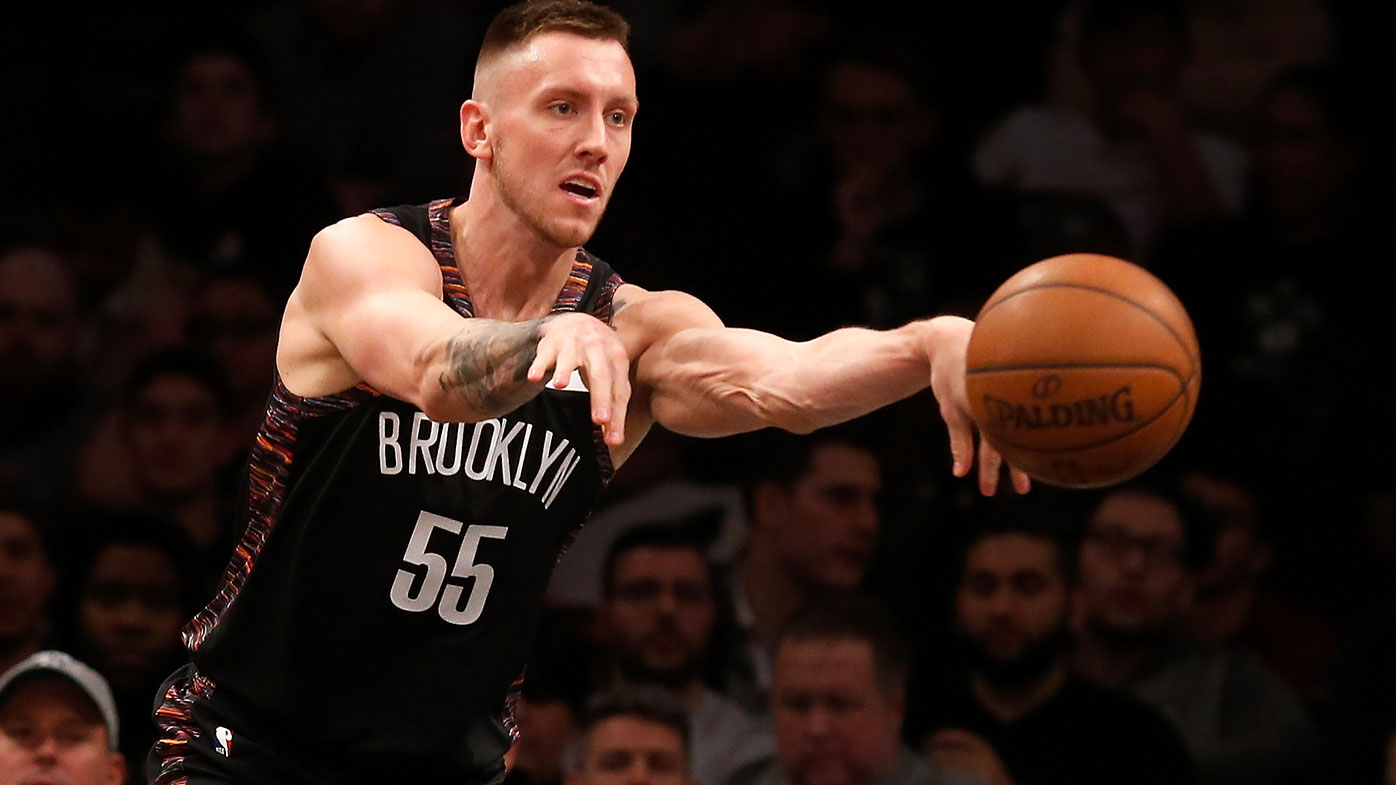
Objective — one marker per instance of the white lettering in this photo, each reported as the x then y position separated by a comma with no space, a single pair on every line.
548,459
389,426
418,444
470,470
562,476
501,453
523,453
441,465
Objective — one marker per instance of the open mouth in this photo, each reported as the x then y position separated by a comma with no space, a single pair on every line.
581,188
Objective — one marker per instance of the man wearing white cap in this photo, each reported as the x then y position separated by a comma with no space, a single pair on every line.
57,724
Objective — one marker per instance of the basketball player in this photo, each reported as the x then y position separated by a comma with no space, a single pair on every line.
455,384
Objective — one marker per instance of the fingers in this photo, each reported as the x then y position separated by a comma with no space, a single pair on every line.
620,396
961,440
990,462
608,377
591,348
544,358
1021,482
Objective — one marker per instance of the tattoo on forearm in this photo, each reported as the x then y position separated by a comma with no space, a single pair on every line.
488,367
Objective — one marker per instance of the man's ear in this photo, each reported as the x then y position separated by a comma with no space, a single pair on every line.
474,127
116,769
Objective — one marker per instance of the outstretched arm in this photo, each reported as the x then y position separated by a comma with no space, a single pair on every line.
704,379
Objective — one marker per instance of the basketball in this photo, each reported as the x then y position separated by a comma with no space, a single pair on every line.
1083,370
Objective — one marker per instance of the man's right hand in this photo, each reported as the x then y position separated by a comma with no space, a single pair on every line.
579,342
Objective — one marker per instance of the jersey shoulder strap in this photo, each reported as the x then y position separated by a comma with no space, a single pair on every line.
412,217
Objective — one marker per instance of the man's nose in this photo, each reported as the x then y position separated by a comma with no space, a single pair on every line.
592,145
639,773
46,753
818,722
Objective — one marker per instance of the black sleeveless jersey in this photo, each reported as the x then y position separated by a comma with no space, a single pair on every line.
379,607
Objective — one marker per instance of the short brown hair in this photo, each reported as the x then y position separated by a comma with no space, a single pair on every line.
520,22
848,615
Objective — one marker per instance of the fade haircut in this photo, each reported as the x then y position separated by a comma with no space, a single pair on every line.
782,458
841,615
520,22
662,536
1041,515
646,702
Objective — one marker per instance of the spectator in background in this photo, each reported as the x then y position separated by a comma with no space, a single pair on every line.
234,320
131,587
812,507
27,579
165,451
57,724
227,193
1294,289
1017,713
862,191
638,736
1239,46
1131,145
547,726
838,700
657,622
1143,547
364,86
43,391
1234,604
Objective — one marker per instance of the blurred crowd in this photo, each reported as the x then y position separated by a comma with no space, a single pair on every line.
833,609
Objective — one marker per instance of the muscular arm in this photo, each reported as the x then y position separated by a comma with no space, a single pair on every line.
368,308
700,378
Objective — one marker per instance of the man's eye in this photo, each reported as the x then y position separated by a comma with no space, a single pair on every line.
562,108
619,119
21,735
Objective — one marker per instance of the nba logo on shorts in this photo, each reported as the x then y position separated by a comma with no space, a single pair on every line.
225,741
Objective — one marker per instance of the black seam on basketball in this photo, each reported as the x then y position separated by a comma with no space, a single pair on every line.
1092,445
1194,360
1075,366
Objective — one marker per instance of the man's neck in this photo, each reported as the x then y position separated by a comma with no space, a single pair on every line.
1107,662
771,592
1008,704
1215,617
690,692
511,273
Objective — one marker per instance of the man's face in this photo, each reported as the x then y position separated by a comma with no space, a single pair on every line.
1133,580
173,430
872,119
26,577
560,111
38,318
52,734
547,728
626,750
825,525
835,724
236,322
1299,163
218,107
130,611
660,612
1011,605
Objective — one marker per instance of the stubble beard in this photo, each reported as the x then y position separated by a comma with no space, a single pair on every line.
1031,665
634,670
529,214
